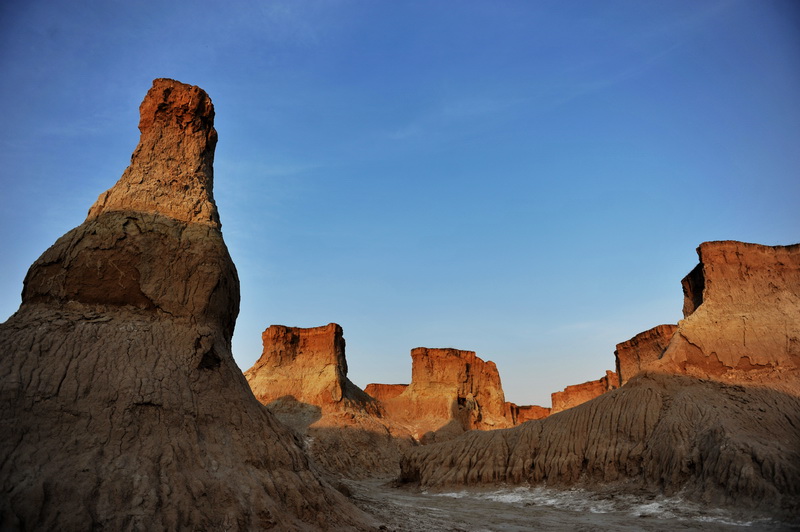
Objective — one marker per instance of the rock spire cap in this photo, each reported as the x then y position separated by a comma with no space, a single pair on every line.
171,171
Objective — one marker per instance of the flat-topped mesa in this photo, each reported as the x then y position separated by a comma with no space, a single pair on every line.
636,354
580,393
742,320
307,365
171,171
453,388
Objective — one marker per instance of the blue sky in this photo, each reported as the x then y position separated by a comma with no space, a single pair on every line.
528,180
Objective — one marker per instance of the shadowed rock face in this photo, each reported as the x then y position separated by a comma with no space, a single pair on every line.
715,418
122,407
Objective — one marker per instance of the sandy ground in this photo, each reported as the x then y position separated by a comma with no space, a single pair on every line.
518,509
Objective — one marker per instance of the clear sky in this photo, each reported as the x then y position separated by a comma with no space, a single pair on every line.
525,179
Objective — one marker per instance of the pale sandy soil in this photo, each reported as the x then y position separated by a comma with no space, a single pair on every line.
524,509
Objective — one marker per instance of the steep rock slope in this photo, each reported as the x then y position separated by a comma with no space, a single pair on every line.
732,436
122,407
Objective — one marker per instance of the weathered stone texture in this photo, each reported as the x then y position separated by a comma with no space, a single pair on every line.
122,407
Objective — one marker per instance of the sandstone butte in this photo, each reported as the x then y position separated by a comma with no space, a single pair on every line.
122,407
713,418
301,377
451,391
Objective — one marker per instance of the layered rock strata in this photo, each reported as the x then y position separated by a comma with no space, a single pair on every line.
715,418
580,393
636,354
122,407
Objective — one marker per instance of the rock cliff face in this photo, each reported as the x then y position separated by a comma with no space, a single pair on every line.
742,307
636,354
122,407
580,393
306,365
302,378
715,418
451,391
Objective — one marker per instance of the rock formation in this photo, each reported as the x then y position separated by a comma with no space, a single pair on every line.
742,316
715,418
520,414
301,377
384,392
451,391
580,393
636,354
308,366
122,407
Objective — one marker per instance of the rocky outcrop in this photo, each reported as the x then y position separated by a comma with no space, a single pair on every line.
580,393
301,377
122,407
384,392
636,354
742,324
521,414
307,365
715,418
451,391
